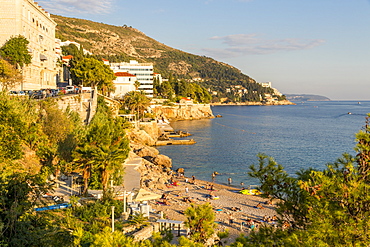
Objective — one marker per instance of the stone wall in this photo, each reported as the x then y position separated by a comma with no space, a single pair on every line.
84,104
184,112
143,234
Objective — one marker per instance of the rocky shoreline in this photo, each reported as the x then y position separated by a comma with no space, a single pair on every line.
157,176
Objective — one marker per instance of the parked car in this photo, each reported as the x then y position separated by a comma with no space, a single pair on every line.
54,92
70,89
37,95
17,93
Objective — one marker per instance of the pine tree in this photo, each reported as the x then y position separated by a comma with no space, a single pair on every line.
200,221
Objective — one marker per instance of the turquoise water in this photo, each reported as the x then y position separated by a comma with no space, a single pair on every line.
309,134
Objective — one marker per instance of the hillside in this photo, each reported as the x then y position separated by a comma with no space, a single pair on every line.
306,97
122,43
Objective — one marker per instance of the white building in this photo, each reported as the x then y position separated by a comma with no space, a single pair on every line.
266,84
27,18
125,82
78,45
142,71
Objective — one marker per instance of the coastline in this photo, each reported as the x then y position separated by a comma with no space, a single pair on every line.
283,102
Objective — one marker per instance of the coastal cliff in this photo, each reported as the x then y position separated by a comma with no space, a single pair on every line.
184,111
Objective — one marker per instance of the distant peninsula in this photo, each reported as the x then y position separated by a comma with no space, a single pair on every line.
306,97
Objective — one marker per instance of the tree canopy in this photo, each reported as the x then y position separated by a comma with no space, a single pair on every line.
9,75
103,150
91,72
15,51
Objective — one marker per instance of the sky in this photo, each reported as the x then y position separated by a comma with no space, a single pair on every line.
302,46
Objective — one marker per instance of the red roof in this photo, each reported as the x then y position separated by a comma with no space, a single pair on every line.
124,74
105,60
67,57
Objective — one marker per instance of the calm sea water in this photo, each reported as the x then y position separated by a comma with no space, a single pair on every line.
309,134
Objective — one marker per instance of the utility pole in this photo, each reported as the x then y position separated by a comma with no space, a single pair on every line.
112,218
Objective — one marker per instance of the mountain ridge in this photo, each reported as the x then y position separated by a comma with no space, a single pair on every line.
124,43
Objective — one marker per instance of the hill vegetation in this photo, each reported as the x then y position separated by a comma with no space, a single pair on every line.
306,97
123,43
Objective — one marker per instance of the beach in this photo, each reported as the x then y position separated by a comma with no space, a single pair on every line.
230,204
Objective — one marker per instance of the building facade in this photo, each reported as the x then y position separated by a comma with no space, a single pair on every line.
142,71
124,83
27,18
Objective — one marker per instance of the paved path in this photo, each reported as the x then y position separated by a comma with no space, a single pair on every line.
131,179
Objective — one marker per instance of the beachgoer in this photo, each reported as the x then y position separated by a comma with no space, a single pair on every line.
259,206
213,177
274,218
186,189
252,226
241,184
193,179
229,180
268,202
231,219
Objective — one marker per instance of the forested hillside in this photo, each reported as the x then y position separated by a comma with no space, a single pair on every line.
122,43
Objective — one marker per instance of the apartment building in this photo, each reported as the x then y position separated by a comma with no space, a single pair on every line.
27,18
142,71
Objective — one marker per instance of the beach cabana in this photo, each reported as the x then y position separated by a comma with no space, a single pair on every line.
144,195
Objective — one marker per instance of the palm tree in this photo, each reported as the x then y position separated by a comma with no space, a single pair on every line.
104,150
136,102
137,85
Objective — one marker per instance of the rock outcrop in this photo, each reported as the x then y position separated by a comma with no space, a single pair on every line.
184,112
155,169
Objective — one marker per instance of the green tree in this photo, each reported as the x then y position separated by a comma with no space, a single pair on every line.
104,148
15,51
200,221
136,102
94,73
18,195
55,151
9,76
18,126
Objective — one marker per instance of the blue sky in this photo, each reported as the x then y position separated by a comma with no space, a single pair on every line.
301,46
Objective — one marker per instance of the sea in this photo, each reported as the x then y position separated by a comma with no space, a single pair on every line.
308,134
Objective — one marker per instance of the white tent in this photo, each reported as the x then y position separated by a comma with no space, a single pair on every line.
144,195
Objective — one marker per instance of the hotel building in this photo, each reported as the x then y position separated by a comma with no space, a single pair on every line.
142,71
27,18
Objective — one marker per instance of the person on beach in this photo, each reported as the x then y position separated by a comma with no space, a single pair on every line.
207,186
231,220
229,180
186,189
193,179
242,184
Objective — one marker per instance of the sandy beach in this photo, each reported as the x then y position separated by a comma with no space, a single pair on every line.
244,205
